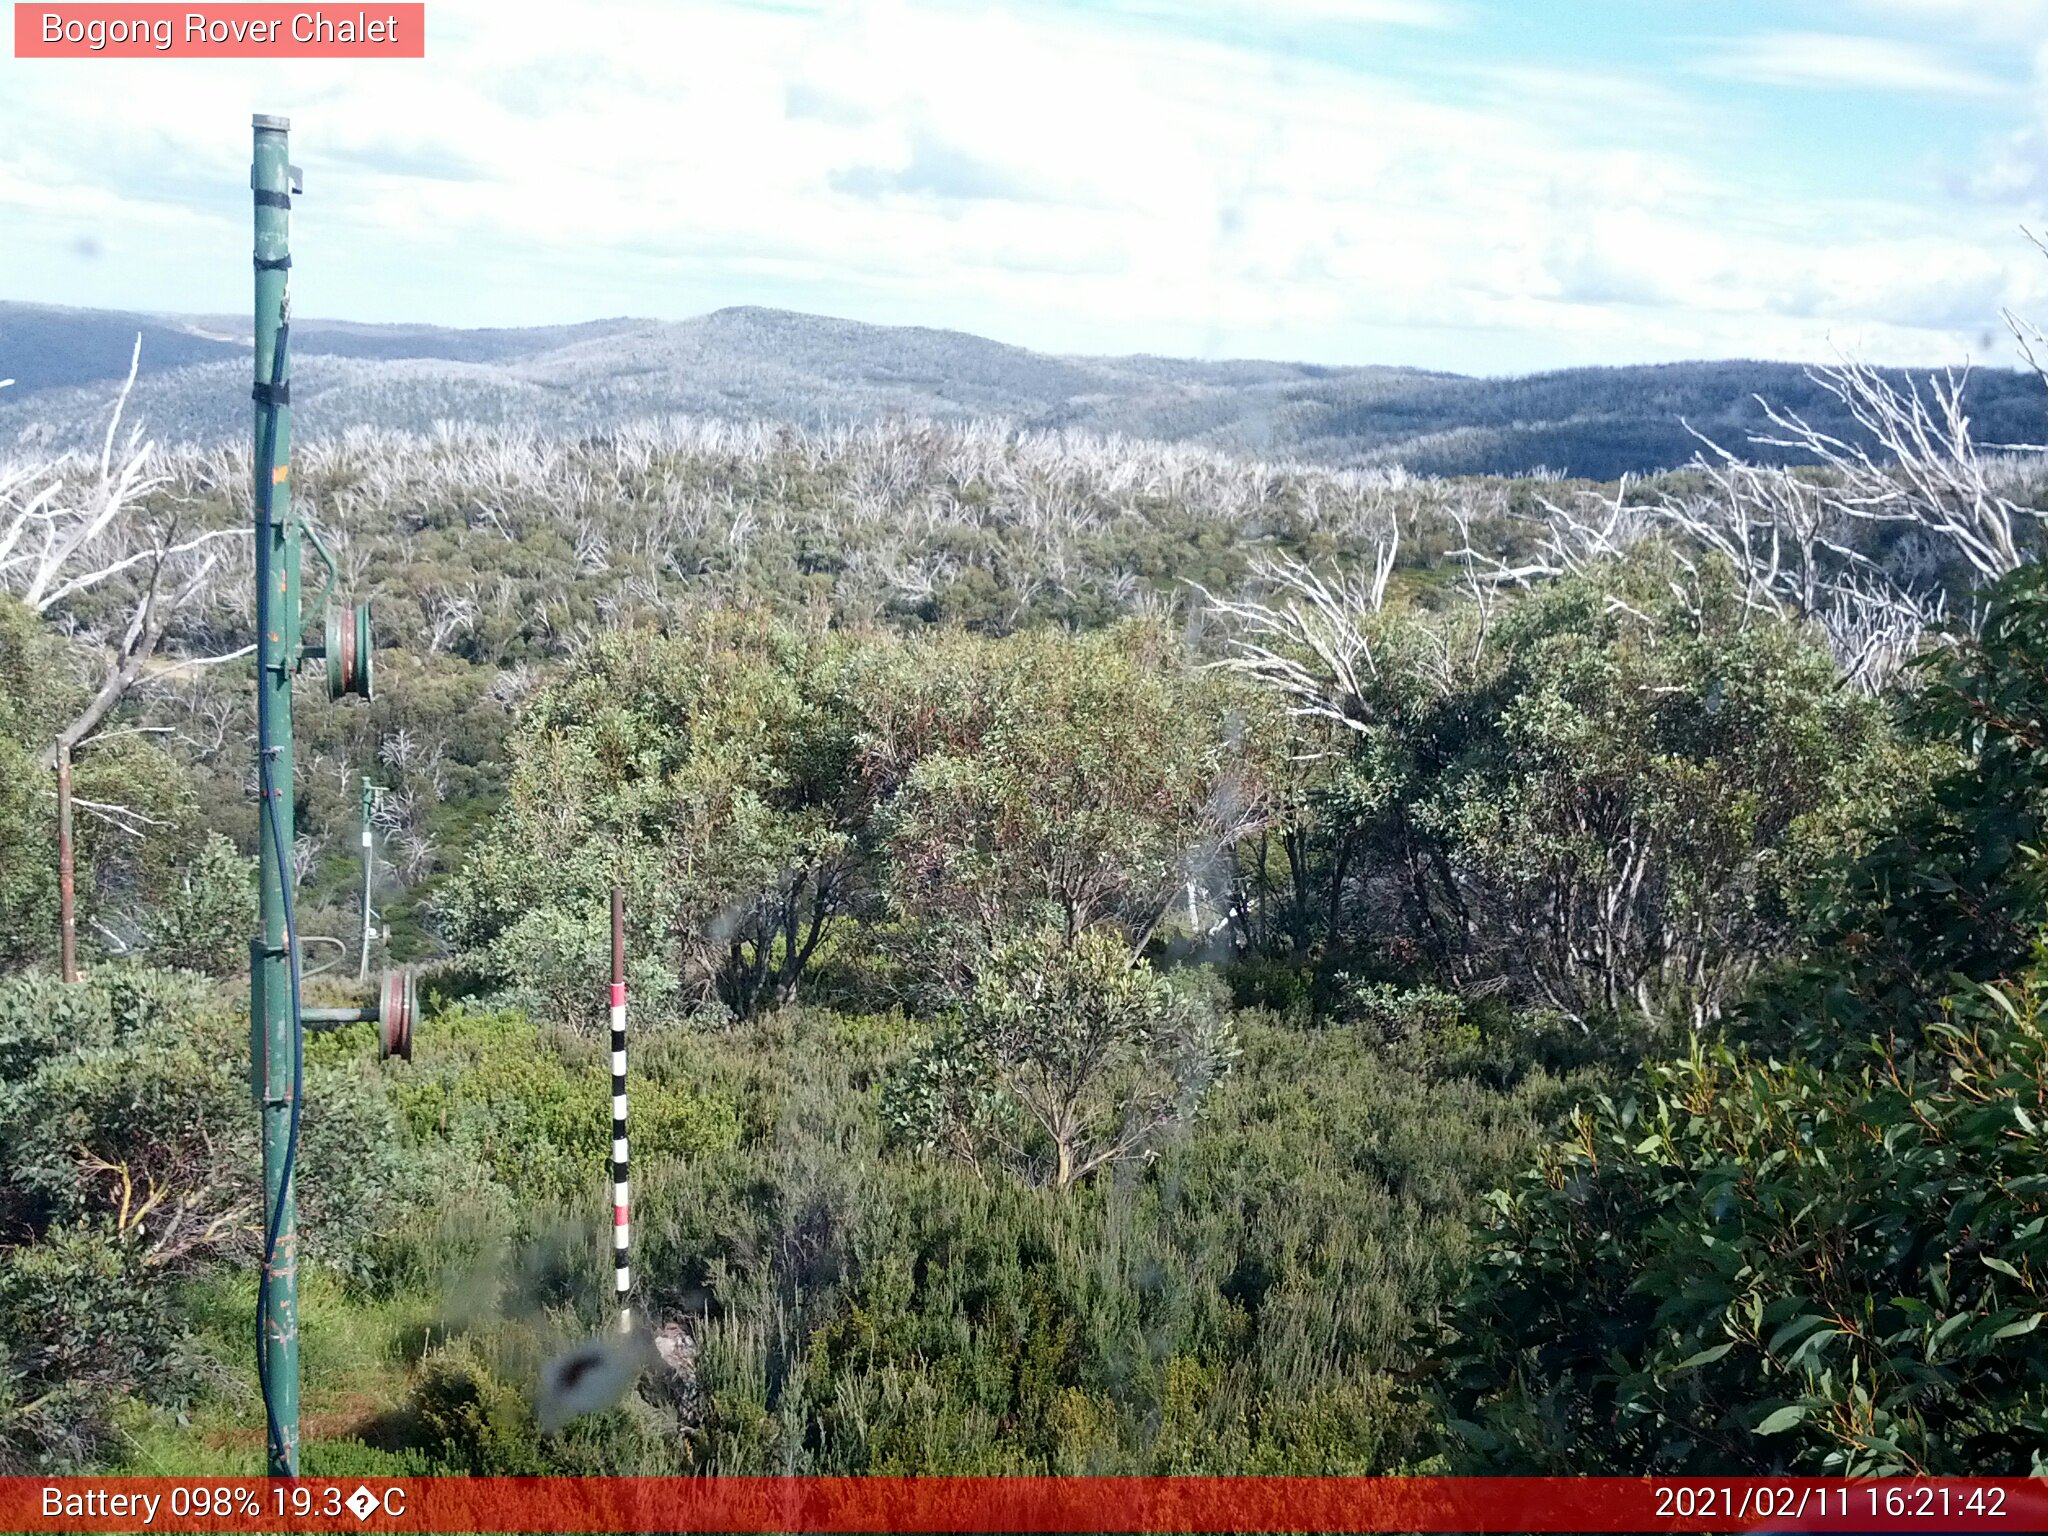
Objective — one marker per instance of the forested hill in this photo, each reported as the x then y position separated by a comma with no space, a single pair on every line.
813,370
809,369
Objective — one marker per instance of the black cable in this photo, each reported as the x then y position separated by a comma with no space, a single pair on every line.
267,785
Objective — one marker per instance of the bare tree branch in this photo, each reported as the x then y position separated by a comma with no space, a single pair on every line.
1314,648
60,541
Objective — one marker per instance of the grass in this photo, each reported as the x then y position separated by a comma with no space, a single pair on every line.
358,1359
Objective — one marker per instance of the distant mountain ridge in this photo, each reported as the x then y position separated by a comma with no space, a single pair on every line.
749,363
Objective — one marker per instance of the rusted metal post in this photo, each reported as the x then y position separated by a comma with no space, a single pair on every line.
67,887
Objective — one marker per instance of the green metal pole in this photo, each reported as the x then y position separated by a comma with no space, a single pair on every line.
273,1032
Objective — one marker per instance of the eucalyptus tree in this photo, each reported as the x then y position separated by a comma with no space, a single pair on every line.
1068,1058
1815,1243
1601,793
1054,781
710,771
86,545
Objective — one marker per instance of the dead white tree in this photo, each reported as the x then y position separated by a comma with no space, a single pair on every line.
67,537
1873,632
1800,541
1312,643
449,615
1788,543
1926,469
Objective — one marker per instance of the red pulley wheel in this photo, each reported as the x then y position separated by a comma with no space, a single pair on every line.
349,654
397,1003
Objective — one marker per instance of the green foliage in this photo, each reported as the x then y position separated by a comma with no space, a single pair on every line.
205,923
129,1160
470,1411
538,1119
1817,1247
1273,983
945,1097
84,1323
127,861
468,1419
123,877
1761,1266
1049,780
710,771
757,783
558,964
1427,1028
1396,1014
1614,804
30,689
353,1460
43,1019
1956,885
869,724
1247,1303
1090,1049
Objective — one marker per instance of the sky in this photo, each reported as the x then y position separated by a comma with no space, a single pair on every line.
1483,186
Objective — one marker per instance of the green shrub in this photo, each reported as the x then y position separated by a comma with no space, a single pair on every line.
860,1311
1759,1266
204,923
1956,884
1086,1051
538,1120
1394,1013
1611,807
40,1016
557,967
468,1418
1818,1246
1281,985
129,1160
120,1101
86,1322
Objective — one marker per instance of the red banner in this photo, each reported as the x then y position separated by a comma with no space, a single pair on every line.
377,30
633,1504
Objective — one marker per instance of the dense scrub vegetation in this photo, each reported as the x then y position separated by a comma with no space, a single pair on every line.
1825,1228
1142,962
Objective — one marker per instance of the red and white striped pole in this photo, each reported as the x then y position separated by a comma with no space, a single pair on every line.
621,1202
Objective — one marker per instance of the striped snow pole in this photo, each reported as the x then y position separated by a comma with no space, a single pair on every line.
621,1203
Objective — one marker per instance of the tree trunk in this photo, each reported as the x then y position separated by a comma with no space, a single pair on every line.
67,899
144,633
1338,874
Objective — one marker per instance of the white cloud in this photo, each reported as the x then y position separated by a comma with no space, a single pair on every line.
2024,19
1434,15
2012,168
1393,13
1042,175
1846,61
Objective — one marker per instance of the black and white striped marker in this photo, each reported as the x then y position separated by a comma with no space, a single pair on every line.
621,1202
